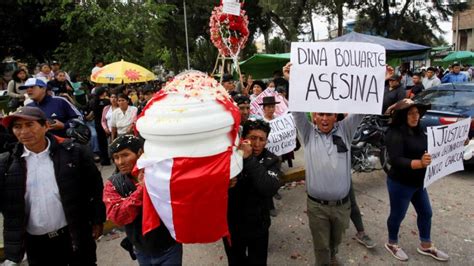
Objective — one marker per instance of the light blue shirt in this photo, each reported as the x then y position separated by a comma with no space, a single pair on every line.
328,173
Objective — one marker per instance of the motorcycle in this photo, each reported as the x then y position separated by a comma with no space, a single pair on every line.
368,150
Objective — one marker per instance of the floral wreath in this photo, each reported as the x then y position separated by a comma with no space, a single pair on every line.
229,33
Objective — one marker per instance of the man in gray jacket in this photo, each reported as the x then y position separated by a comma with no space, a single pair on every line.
328,177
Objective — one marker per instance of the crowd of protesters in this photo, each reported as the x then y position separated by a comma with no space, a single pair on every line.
58,219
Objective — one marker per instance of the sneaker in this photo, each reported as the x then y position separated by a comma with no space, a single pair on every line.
434,253
365,240
396,251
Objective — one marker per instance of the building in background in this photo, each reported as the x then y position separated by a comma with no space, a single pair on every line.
463,29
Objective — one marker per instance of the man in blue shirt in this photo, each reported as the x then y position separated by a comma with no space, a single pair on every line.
58,110
456,76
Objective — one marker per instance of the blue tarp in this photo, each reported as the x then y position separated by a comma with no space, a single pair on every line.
392,47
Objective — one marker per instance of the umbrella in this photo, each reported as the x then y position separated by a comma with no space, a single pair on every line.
122,72
459,56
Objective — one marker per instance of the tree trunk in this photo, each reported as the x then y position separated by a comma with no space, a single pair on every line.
266,40
340,17
310,17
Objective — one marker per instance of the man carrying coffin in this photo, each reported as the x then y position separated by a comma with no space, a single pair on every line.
328,177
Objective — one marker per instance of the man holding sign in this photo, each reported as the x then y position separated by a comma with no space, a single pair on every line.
328,171
407,145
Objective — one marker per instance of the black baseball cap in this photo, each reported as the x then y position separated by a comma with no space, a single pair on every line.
27,112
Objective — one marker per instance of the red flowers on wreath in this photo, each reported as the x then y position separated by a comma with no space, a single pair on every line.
229,33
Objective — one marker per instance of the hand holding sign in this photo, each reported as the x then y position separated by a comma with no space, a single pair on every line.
337,77
425,160
446,149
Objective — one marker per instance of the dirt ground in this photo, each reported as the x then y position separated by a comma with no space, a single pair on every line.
290,238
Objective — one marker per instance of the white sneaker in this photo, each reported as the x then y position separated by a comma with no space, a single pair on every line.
396,251
434,253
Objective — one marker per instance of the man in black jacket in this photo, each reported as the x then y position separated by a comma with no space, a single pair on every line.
248,213
50,195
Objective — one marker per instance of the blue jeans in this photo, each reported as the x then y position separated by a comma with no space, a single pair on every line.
172,256
400,197
94,142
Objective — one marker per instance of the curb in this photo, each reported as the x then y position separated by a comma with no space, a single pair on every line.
296,174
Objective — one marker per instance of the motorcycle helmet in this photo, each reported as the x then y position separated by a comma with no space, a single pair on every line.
78,131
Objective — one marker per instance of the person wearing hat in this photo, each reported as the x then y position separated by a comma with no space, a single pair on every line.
327,156
50,195
123,195
394,92
228,84
268,105
56,67
243,102
57,109
407,145
455,76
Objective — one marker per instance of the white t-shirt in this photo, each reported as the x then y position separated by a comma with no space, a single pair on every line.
122,120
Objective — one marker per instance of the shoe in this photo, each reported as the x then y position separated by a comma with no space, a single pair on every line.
105,163
96,158
277,196
273,213
434,253
365,240
396,251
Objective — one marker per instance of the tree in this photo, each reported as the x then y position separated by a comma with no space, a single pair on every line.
277,45
331,8
24,35
413,21
288,17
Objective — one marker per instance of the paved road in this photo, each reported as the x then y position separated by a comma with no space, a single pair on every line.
290,239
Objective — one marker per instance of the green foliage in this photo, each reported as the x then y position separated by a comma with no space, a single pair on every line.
409,22
277,45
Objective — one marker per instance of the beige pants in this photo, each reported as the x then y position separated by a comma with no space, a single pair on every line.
327,224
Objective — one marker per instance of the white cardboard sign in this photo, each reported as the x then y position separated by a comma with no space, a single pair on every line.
282,137
337,77
231,7
446,146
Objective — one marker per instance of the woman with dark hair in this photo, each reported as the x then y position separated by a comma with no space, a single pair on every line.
256,88
16,94
107,112
248,213
123,118
407,145
45,72
98,105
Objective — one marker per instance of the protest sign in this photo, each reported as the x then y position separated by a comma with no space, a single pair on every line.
280,109
446,146
337,77
282,138
231,7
